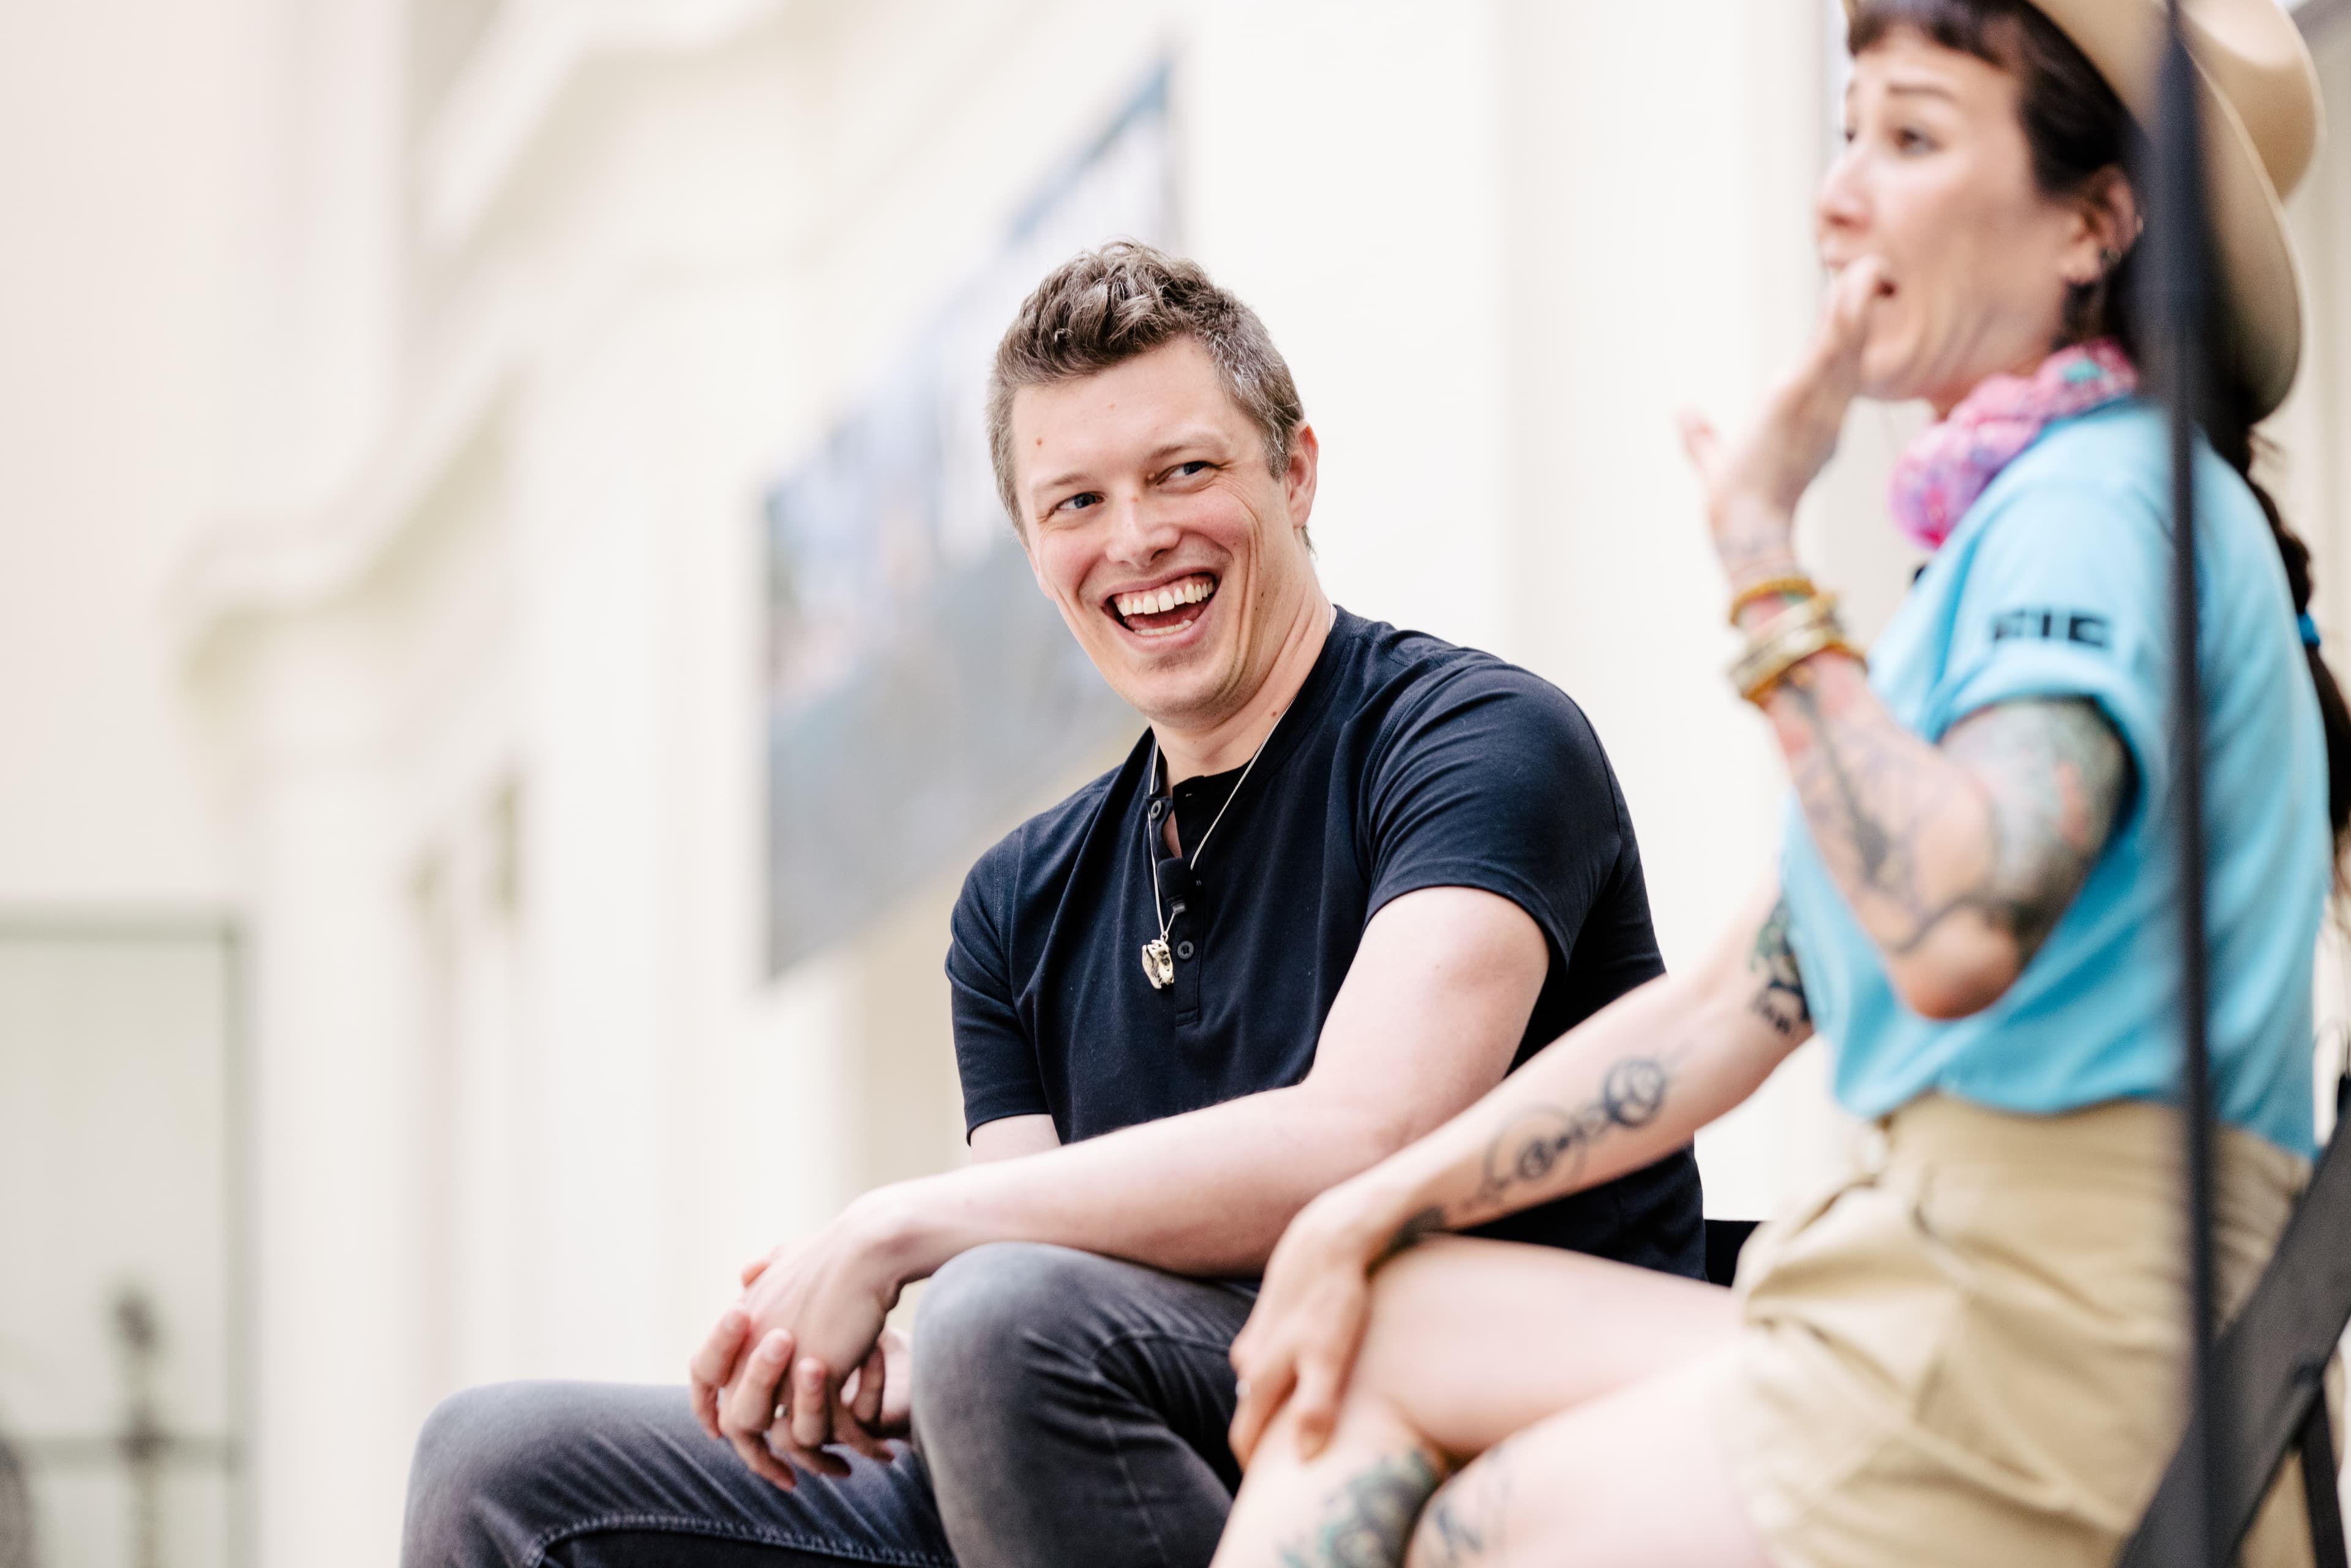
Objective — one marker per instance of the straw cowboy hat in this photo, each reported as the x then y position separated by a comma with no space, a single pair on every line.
2262,122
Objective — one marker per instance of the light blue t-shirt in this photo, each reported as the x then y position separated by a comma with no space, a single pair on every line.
2056,584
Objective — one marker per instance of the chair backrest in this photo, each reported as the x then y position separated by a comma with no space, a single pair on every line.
1724,1237
2270,1366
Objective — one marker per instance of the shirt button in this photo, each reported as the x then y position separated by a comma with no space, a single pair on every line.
1158,809
1183,950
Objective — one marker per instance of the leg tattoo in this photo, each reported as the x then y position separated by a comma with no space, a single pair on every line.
1465,1520
1367,1521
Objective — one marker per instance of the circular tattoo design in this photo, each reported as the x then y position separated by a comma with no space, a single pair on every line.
1634,1092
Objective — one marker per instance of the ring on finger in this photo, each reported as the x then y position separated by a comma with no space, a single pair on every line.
1241,1389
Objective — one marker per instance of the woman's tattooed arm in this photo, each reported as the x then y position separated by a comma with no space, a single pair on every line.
1958,860
1532,1143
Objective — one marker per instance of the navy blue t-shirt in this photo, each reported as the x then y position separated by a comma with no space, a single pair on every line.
1403,763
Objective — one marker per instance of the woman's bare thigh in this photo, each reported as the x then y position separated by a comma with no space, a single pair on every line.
1635,1479
1471,1343
1471,1340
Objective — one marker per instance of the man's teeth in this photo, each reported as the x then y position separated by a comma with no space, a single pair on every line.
1158,601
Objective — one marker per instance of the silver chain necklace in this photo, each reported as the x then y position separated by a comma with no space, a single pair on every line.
1158,959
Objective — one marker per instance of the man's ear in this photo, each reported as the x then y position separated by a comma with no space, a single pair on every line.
1305,470
1028,549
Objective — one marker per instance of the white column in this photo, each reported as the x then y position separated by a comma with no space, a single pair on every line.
345,1323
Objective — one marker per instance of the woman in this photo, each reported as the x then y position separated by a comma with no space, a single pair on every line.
1970,1351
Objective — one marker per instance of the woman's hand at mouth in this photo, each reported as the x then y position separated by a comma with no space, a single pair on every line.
1754,480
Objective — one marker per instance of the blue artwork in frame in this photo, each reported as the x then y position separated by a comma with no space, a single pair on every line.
920,691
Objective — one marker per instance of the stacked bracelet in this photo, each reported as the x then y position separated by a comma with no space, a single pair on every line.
1795,587
1809,626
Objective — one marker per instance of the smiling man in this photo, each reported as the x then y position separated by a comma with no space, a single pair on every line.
1348,879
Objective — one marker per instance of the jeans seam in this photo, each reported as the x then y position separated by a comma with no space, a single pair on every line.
1110,1434
686,1524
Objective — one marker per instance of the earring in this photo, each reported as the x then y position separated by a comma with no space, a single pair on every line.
2109,258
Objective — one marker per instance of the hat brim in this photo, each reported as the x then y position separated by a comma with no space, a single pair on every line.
2260,277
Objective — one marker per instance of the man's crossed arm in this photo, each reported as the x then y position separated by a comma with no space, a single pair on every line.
1427,1021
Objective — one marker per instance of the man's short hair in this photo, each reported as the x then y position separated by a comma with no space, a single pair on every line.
1103,307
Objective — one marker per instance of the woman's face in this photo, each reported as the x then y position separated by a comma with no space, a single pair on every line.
1936,181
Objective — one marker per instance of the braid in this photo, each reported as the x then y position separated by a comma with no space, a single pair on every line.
2233,438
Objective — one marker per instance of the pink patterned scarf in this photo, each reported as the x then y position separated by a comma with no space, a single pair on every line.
1946,465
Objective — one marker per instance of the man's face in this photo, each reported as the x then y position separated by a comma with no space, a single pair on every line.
1154,525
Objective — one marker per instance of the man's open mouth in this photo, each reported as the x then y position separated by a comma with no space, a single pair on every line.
1164,610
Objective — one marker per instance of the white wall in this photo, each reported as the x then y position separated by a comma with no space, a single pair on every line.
130,152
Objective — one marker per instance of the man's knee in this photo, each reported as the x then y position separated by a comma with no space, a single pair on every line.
473,1449
991,1318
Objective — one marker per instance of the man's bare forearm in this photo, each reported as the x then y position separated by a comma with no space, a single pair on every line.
1205,1193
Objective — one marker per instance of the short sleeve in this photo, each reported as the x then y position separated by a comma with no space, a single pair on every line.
2067,595
1496,781
994,1057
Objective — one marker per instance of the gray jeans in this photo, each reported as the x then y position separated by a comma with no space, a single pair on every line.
1068,1409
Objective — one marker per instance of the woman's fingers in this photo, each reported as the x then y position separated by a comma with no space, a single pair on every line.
1700,442
1264,1385
1845,326
756,1267
1316,1402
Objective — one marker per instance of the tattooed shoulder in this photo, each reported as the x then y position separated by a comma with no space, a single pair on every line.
1779,999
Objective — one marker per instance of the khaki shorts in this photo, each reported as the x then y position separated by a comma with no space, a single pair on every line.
1971,1352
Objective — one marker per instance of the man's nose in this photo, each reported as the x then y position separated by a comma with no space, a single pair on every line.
1140,532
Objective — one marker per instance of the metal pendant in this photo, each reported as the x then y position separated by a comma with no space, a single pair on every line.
1158,964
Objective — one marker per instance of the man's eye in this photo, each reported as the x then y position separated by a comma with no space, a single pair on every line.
1186,470
1080,502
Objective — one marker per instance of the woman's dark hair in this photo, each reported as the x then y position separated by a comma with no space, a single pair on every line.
2077,130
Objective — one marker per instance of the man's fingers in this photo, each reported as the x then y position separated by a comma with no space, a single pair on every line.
811,1414
850,1433
763,1463
871,1377
705,1405
714,1361
749,1406
709,1368
816,1461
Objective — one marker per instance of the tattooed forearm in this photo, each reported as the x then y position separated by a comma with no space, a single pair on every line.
1779,998
1534,1144
2056,773
1367,1521
2002,822
1427,1222
1872,793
